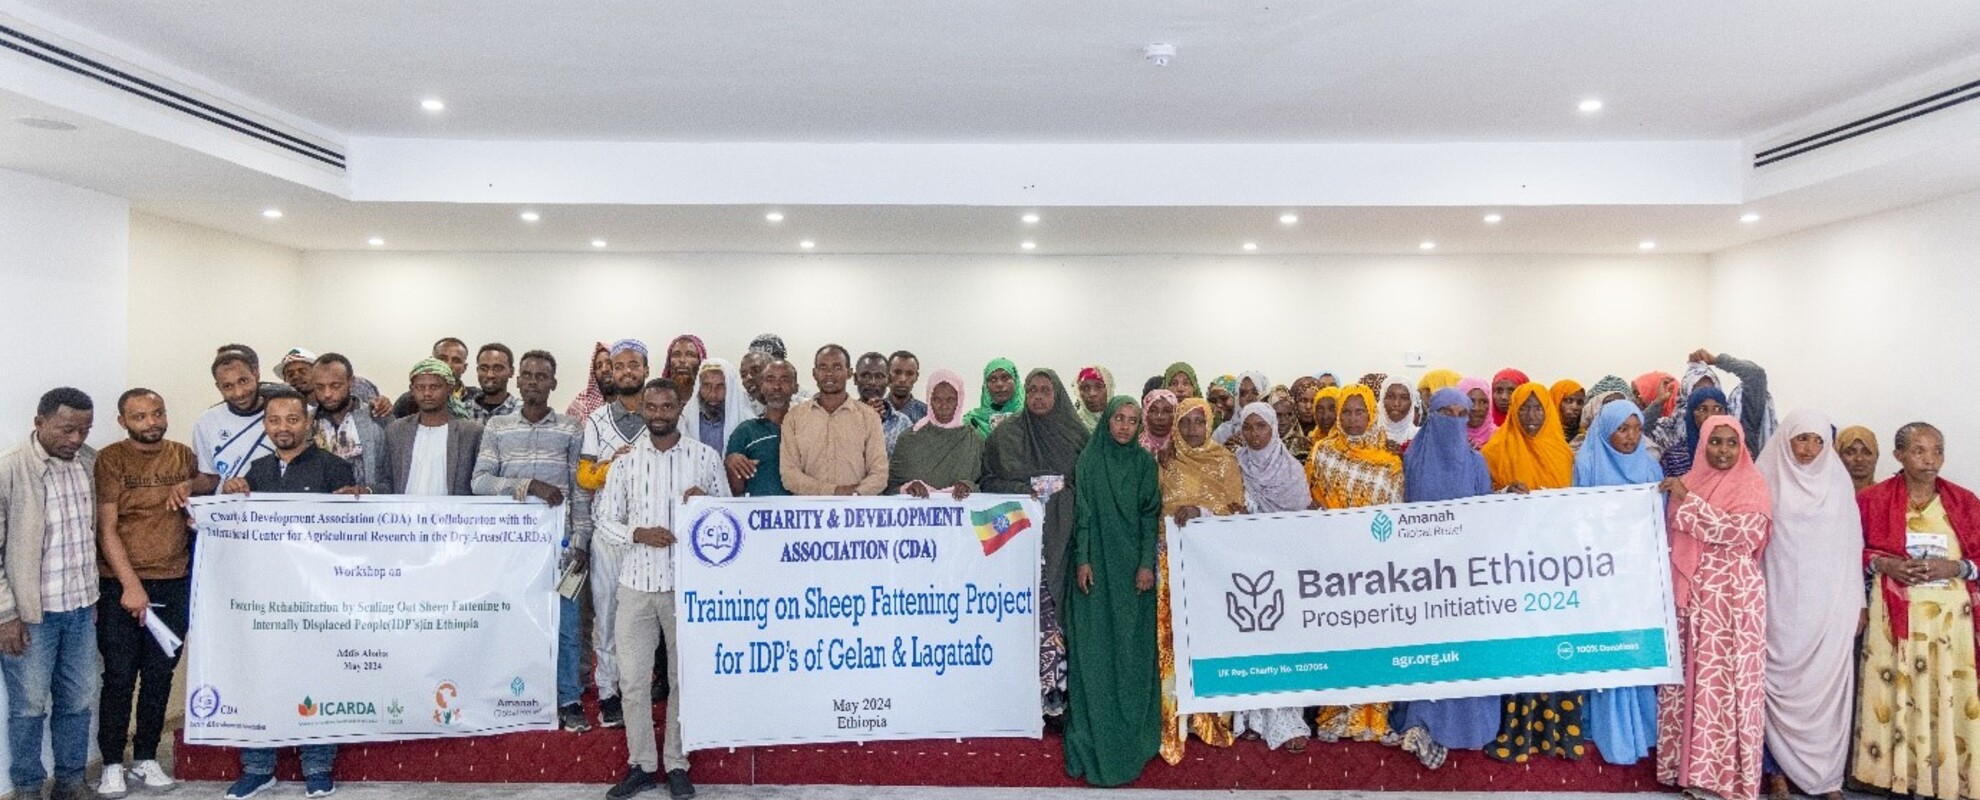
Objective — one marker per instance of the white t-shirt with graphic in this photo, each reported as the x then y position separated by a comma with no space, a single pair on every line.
227,443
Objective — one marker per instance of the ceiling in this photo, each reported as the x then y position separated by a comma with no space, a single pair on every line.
1021,71
1043,70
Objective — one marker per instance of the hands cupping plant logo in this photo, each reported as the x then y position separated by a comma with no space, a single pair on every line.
1249,608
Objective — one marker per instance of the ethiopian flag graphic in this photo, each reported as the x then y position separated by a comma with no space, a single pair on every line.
999,524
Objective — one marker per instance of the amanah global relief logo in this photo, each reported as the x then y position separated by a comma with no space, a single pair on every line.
1383,527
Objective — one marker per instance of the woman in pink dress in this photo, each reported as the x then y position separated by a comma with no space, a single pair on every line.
1710,729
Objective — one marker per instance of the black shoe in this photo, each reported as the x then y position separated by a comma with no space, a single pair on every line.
610,714
679,786
660,690
637,780
571,718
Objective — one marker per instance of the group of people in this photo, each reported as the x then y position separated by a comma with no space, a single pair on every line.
1785,548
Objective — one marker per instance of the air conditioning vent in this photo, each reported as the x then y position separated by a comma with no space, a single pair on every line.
1875,122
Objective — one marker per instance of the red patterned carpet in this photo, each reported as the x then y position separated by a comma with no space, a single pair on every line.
599,757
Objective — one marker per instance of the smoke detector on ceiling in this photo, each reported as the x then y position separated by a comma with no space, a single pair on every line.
1159,54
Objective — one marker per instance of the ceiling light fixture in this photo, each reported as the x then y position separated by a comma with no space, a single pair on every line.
1250,246
1159,53
1494,219
598,243
46,124
1029,245
1646,244
1426,244
376,242
1749,218
1590,106
530,216
433,104
1288,219
272,213
807,244
1030,219
774,216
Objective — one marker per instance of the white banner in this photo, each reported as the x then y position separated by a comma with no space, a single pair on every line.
1553,591
327,618
817,619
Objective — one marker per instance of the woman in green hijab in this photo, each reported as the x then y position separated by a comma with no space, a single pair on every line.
1114,722
1002,397
1034,453
1180,378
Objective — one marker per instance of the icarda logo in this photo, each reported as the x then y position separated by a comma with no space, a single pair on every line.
1383,527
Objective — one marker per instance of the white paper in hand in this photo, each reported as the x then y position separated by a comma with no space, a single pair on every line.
167,640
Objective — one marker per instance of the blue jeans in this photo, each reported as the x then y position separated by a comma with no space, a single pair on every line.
569,649
53,683
316,760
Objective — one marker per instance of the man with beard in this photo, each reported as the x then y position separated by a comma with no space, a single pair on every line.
684,356
297,370
600,389
534,453
141,488
229,436
871,377
751,367
831,445
494,365
341,427
636,511
608,434
431,453
753,447
454,353
295,465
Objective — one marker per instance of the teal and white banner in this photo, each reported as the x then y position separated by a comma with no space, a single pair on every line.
1553,591
822,619
326,619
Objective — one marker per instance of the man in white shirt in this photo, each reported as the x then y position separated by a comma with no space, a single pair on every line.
229,436
431,452
609,432
635,511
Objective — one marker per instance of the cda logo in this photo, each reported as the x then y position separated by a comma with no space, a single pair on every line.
716,537
204,703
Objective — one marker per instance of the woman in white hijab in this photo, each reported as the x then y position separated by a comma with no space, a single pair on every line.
1398,412
718,406
1274,483
1814,606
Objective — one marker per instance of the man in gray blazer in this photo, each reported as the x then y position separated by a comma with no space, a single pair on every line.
431,452
48,591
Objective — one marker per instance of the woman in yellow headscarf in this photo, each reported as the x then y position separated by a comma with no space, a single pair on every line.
1529,452
1352,467
1432,382
1199,477
1326,412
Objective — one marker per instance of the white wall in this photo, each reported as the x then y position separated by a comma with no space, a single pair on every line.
1871,320
62,277
193,289
1553,316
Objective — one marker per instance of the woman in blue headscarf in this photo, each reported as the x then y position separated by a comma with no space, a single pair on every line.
1440,465
1623,722
1703,403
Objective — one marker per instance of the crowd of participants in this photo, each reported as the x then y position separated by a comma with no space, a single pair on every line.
1824,615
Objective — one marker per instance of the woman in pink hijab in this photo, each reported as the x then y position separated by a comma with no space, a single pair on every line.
1710,729
1479,426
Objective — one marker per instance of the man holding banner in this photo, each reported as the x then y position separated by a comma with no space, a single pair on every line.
635,512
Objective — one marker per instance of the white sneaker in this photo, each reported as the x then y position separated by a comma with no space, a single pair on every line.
112,785
154,776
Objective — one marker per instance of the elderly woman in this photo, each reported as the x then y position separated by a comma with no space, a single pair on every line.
1199,478
940,454
1527,454
1710,728
1622,721
1918,714
1290,432
1858,448
1816,548
1273,483
1114,725
1002,397
1034,453
1350,468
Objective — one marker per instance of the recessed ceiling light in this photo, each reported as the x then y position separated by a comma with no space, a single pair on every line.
1590,106
1749,217
1250,246
45,123
774,216
598,243
376,242
1426,244
1030,219
807,244
530,216
1494,219
272,213
1029,245
433,104
1646,244
1288,219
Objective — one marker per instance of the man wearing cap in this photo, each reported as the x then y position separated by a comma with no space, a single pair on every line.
431,452
609,432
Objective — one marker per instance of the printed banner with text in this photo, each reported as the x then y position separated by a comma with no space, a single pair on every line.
817,619
325,619
1552,591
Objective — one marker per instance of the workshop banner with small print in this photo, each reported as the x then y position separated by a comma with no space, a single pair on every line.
328,618
1553,591
819,619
